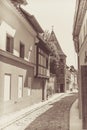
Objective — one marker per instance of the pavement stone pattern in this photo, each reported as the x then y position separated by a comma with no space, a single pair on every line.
75,121
47,117
56,117
21,124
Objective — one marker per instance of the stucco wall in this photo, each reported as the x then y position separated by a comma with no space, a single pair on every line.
13,23
16,69
81,55
83,31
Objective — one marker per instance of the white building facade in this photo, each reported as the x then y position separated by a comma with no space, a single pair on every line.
24,65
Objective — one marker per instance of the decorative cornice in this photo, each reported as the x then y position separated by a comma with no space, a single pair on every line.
76,44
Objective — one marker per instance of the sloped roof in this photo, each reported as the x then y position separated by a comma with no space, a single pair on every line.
19,2
43,43
54,40
30,18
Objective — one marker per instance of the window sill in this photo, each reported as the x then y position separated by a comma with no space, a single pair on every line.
42,76
15,58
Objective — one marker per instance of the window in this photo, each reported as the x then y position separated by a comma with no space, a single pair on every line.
46,63
22,50
42,62
29,85
20,86
9,44
29,53
7,87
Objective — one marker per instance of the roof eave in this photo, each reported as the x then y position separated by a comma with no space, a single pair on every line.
79,16
32,20
44,43
21,2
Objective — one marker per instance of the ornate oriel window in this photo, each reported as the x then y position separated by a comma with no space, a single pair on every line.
42,62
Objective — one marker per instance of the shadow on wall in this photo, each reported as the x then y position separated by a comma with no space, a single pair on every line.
37,83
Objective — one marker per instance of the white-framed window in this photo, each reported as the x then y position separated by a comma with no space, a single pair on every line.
20,86
29,53
42,62
9,43
22,50
7,87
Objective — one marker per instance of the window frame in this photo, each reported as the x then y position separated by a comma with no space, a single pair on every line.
42,68
11,43
22,52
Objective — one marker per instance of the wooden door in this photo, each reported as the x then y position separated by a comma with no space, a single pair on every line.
61,88
84,95
20,86
43,91
7,87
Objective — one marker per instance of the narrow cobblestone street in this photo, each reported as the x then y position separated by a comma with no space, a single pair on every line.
43,65
54,115
56,118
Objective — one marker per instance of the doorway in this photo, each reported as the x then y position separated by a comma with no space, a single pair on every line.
84,95
61,88
43,90
7,87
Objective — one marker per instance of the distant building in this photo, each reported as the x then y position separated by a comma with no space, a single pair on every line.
58,62
80,42
71,80
24,58
68,78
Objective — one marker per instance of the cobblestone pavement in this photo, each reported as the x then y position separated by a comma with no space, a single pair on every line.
56,117
52,116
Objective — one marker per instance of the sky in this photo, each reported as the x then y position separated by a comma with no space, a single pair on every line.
60,14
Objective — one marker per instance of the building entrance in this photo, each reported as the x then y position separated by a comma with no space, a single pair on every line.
61,88
84,95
